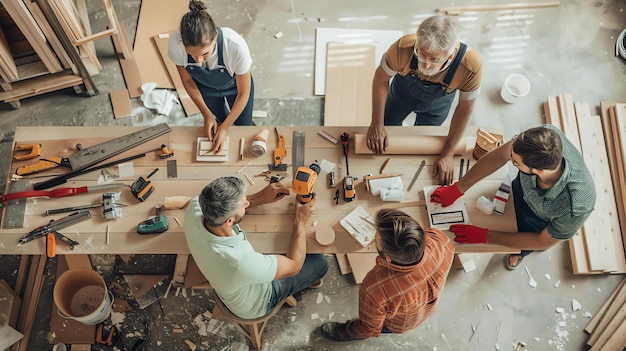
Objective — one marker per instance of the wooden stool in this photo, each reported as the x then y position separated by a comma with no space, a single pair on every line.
253,328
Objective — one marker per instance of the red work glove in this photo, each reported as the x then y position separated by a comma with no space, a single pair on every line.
469,234
446,194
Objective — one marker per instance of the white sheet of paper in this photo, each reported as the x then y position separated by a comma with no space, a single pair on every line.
442,217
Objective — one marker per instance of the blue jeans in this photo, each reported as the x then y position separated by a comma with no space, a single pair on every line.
527,220
219,110
313,269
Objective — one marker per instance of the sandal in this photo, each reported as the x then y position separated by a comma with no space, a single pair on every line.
509,265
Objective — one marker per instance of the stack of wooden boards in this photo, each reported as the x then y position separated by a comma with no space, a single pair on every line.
607,329
599,246
46,45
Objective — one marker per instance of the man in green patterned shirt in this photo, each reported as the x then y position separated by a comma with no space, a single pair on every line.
553,193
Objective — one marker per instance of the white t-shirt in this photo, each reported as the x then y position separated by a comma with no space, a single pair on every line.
241,276
235,52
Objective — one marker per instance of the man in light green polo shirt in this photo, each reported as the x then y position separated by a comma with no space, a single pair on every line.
553,193
249,283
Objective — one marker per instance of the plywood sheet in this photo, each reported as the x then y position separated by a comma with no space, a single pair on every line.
382,39
349,75
155,17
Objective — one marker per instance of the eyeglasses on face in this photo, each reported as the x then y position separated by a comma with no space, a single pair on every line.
424,57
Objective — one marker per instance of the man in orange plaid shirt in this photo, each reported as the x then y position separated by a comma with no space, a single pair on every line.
403,289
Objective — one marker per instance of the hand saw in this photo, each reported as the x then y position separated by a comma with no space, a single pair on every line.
84,158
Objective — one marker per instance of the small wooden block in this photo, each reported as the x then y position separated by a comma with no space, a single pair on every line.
204,155
325,235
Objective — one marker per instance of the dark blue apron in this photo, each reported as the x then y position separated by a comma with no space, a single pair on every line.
215,82
423,97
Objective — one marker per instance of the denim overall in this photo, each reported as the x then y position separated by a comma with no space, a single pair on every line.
217,84
428,100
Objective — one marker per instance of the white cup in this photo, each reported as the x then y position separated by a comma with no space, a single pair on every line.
515,86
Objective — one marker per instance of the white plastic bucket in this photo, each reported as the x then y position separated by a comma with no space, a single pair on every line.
515,86
81,295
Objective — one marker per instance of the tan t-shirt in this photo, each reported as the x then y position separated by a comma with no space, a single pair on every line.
397,60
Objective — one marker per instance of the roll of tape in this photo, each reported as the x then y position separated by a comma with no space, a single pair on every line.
258,148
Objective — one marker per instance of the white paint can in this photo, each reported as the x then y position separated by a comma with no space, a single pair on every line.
515,86
81,295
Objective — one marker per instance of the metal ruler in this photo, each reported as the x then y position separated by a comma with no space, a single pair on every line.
417,174
298,149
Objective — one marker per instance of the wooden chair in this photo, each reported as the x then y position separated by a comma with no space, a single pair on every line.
253,328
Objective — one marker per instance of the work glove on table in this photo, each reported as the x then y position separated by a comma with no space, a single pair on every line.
446,194
469,234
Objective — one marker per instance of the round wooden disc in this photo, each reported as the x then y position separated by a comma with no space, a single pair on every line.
325,235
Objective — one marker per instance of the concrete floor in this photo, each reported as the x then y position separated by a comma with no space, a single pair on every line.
569,49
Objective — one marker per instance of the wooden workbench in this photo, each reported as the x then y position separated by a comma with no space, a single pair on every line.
268,227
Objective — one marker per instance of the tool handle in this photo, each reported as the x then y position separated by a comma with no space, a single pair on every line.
42,165
51,245
59,192
35,151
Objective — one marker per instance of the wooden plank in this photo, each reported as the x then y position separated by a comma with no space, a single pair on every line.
40,85
603,224
613,308
121,103
7,64
27,24
49,33
30,300
551,110
129,66
606,108
591,326
349,75
161,41
69,18
613,327
561,111
342,262
180,268
617,340
618,120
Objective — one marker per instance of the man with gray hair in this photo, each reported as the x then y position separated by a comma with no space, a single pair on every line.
404,287
427,67
249,283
